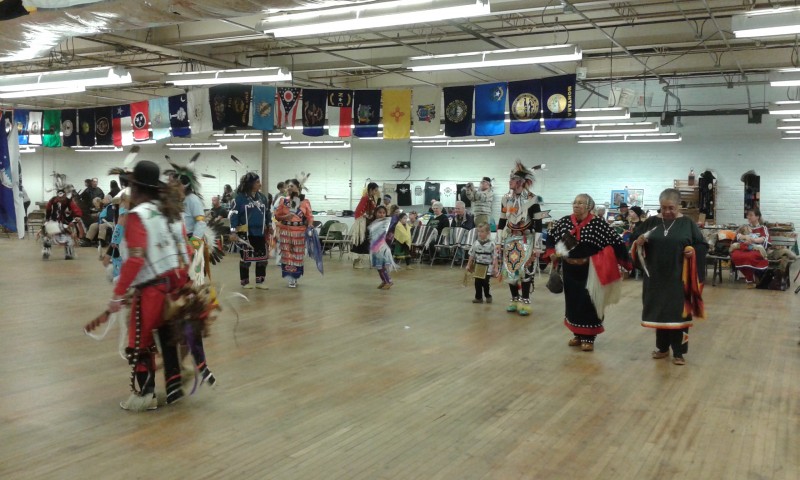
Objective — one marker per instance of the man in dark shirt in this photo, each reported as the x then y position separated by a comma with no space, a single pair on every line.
217,210
462,218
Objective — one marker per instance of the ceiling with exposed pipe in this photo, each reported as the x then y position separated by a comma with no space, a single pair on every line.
677,44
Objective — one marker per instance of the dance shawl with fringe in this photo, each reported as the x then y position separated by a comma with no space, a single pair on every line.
692,288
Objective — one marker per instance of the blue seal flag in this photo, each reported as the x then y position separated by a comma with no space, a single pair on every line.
558,94
490,109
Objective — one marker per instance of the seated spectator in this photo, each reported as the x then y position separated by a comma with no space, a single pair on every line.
461,218
746,258
413,219
439,219
622,215
218,211
102,229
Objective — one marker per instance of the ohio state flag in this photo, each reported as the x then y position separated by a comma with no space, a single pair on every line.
287,111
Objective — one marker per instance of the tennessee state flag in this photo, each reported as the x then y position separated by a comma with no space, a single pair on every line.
140,117
340,113
396,114
121,125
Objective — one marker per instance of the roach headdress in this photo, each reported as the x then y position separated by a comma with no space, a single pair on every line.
521,172
186,176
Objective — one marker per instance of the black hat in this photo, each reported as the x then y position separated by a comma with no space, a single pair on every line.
623,205
488,180
638,211
145,174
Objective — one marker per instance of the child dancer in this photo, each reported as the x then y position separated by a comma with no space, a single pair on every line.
380,253
482,262
402,240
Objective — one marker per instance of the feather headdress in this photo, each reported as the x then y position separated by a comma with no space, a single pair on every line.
301,179
523,173
187,175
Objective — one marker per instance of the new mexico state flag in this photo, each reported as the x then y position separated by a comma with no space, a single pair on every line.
396,114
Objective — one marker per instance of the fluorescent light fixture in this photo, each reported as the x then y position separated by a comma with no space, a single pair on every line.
27,149
495,58
32,83
595,114
631,138
790,135
321,144
789,124
460,143
607,128
43,92
767,23
197,146
249,137
241,75
98,149
789,77
370,16
791,107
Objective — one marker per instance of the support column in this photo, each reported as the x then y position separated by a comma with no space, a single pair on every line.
265,161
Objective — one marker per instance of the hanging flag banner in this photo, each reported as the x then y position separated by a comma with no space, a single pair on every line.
458,111
140,113
427,111
199,110
366,111
314,102
287,113
159,117
8,214
340,113
230,105
559,102
121,126
21,121
86,127
490,109
264,108
35,127
69,127
51,129
102,125
179,116
396,114
525,106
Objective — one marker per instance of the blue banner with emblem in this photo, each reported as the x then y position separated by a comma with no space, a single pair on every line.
366,113
490,109
264,108
458,111
179,116
525,106
315,102
558,94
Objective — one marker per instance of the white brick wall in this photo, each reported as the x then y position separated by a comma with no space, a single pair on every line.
726,145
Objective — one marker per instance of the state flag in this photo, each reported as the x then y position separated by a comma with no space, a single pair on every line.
264,108
140,113
230,105
69,127
35,127
121,126
396,114
367,104
427,111
51,129
199,110
179,116
340,113
86,127
559,102
102,125
159,117
458,111
287,113
21,121
525,106
490,109
314,102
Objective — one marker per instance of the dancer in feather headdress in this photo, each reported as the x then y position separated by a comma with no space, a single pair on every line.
379,251
518,231
61,225
154,267
296,230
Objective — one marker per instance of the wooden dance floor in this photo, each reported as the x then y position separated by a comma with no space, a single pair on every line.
339,380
